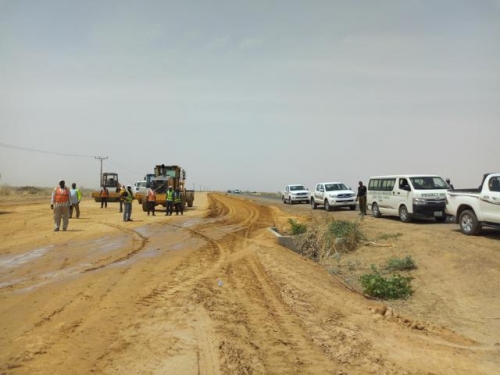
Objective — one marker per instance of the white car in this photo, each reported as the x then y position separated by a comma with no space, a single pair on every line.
295,193
332,195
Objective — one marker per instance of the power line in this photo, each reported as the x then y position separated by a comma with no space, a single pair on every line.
44,151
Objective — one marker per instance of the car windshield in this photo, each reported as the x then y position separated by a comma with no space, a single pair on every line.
428,183
334,187
297,187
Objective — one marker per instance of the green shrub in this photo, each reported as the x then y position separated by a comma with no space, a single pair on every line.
344,235
376,285
297,228
404,264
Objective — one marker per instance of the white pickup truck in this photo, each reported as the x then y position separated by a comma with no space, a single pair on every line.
475,208
295,193
332,195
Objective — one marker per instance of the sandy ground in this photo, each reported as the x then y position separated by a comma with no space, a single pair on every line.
210,292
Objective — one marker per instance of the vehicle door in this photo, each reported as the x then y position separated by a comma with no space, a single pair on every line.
400,195
490,200
383,194
286,192
319,193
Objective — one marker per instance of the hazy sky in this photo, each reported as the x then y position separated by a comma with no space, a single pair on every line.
249,94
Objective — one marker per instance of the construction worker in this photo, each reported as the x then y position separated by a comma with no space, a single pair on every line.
128,197
170,201
123,190
59,202
104,196
151,200
178,202
75,196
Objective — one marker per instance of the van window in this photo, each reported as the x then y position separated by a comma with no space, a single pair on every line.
381,184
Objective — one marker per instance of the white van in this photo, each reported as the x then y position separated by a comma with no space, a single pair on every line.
408,196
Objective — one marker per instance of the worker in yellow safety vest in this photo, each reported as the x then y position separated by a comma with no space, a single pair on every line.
170,201
178,202
128,197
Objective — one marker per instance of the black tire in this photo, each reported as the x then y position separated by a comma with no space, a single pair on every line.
375,211
352,207
404,215
441,219
313,204
468,223
327,206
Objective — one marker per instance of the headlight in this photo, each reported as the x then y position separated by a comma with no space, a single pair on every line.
333,195
418,201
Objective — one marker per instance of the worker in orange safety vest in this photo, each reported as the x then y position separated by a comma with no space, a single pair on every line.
104,196
59,202
151,200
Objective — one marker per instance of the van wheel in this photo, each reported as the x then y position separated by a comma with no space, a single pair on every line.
468,223
327,206
313,204
404,215
375,210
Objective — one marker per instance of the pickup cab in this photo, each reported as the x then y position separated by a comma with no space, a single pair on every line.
332,195
295,193
475,208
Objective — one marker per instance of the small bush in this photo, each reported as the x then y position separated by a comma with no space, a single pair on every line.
297,228
376,285
404,264
344,235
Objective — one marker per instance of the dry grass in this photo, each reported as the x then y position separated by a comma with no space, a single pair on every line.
326,237
29,193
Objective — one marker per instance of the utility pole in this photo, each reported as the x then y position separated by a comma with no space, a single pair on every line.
101,158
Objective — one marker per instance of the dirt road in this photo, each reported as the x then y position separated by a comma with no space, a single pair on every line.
211,293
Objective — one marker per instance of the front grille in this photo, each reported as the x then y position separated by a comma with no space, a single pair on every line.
344,196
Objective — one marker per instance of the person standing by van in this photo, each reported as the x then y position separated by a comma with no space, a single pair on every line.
361,198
